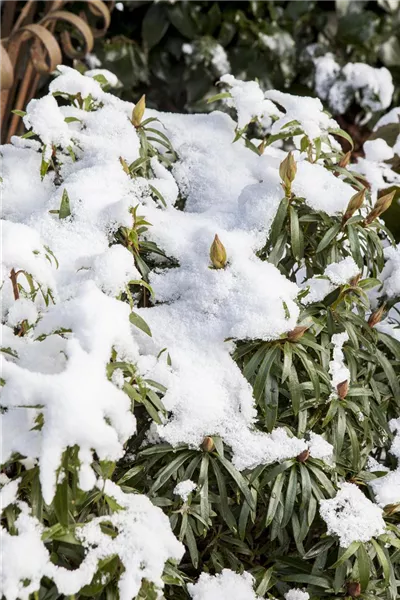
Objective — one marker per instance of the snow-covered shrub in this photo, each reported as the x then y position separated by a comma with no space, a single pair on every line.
200,391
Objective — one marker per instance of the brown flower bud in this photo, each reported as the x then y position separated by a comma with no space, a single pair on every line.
354,281
354,589
218,253
207,444
303,456
376,316
261,147
138,112
342,389
344,161
287,171
354,204
380,206
297,333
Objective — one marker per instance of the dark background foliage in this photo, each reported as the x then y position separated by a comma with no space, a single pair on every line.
144,45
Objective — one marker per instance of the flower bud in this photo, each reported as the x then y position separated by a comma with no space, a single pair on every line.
261,147
207,444
344,161
354,589
354,204
303,456
342,389
297,333
218,253
124,165
138,112
354,280
376,316
287,171
380,206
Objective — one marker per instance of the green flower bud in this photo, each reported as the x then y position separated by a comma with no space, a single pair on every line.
138,112
218,253
287,171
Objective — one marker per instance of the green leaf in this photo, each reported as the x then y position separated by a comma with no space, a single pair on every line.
226,512
192,546
203,485
269,359
181,19
294,389
354,242
352,549
271,401
279,220
217,97
275,499
342,133
320,582
65,210
44,165
290,498
393,379
364,565
328,237
242,483
61,501
137,320
169,470
385,564
19,113
296,235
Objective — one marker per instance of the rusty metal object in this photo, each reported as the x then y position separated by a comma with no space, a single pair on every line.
33,44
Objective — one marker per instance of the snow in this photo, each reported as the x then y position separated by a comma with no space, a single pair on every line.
46,120
343,271
114,269
391,271
184,489
8,493
320,448
144,542
22,310
199,311
390,117
372,88
334,275
328,193
308,112
387,488
58,370
226,584
351,516
249,101
296,594
377,150
373,167
337,368
110,77
80,406
25,559
219,59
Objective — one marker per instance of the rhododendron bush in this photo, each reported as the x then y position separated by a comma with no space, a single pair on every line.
201,352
